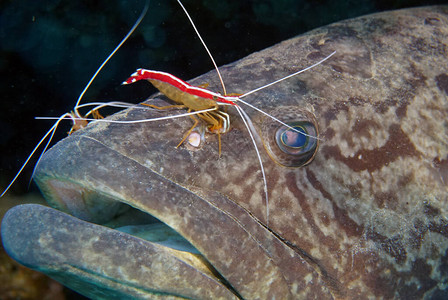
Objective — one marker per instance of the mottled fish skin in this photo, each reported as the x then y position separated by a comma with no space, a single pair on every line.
367,218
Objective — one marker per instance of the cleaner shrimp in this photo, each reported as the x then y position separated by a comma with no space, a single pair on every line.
206,103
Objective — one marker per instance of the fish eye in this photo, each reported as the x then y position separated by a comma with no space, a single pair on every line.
294,145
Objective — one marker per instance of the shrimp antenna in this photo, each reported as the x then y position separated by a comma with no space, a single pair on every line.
279,121
139,20
289,76
238,99
205,46
51,131
250,128
76,114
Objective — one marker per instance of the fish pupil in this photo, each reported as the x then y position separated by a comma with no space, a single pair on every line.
294,138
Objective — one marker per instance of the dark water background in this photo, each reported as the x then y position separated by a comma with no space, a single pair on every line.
50,49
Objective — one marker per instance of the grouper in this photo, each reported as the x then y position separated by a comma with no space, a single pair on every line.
360,213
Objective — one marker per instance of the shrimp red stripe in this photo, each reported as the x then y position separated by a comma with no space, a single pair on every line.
143,74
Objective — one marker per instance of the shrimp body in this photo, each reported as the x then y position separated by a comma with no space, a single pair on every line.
191,97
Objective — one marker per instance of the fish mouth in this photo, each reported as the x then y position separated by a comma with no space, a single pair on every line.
103,246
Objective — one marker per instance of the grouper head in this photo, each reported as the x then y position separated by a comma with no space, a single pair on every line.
361,213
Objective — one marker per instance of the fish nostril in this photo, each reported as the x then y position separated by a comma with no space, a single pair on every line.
194,139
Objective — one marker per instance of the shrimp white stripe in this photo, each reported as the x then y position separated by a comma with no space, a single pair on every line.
186,85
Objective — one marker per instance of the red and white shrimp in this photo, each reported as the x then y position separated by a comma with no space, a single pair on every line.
198,99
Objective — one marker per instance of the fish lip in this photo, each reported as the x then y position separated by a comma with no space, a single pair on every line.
111,212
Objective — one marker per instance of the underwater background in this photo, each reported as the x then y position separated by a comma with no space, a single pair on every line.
50,49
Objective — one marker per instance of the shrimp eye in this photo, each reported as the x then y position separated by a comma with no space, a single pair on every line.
294,145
